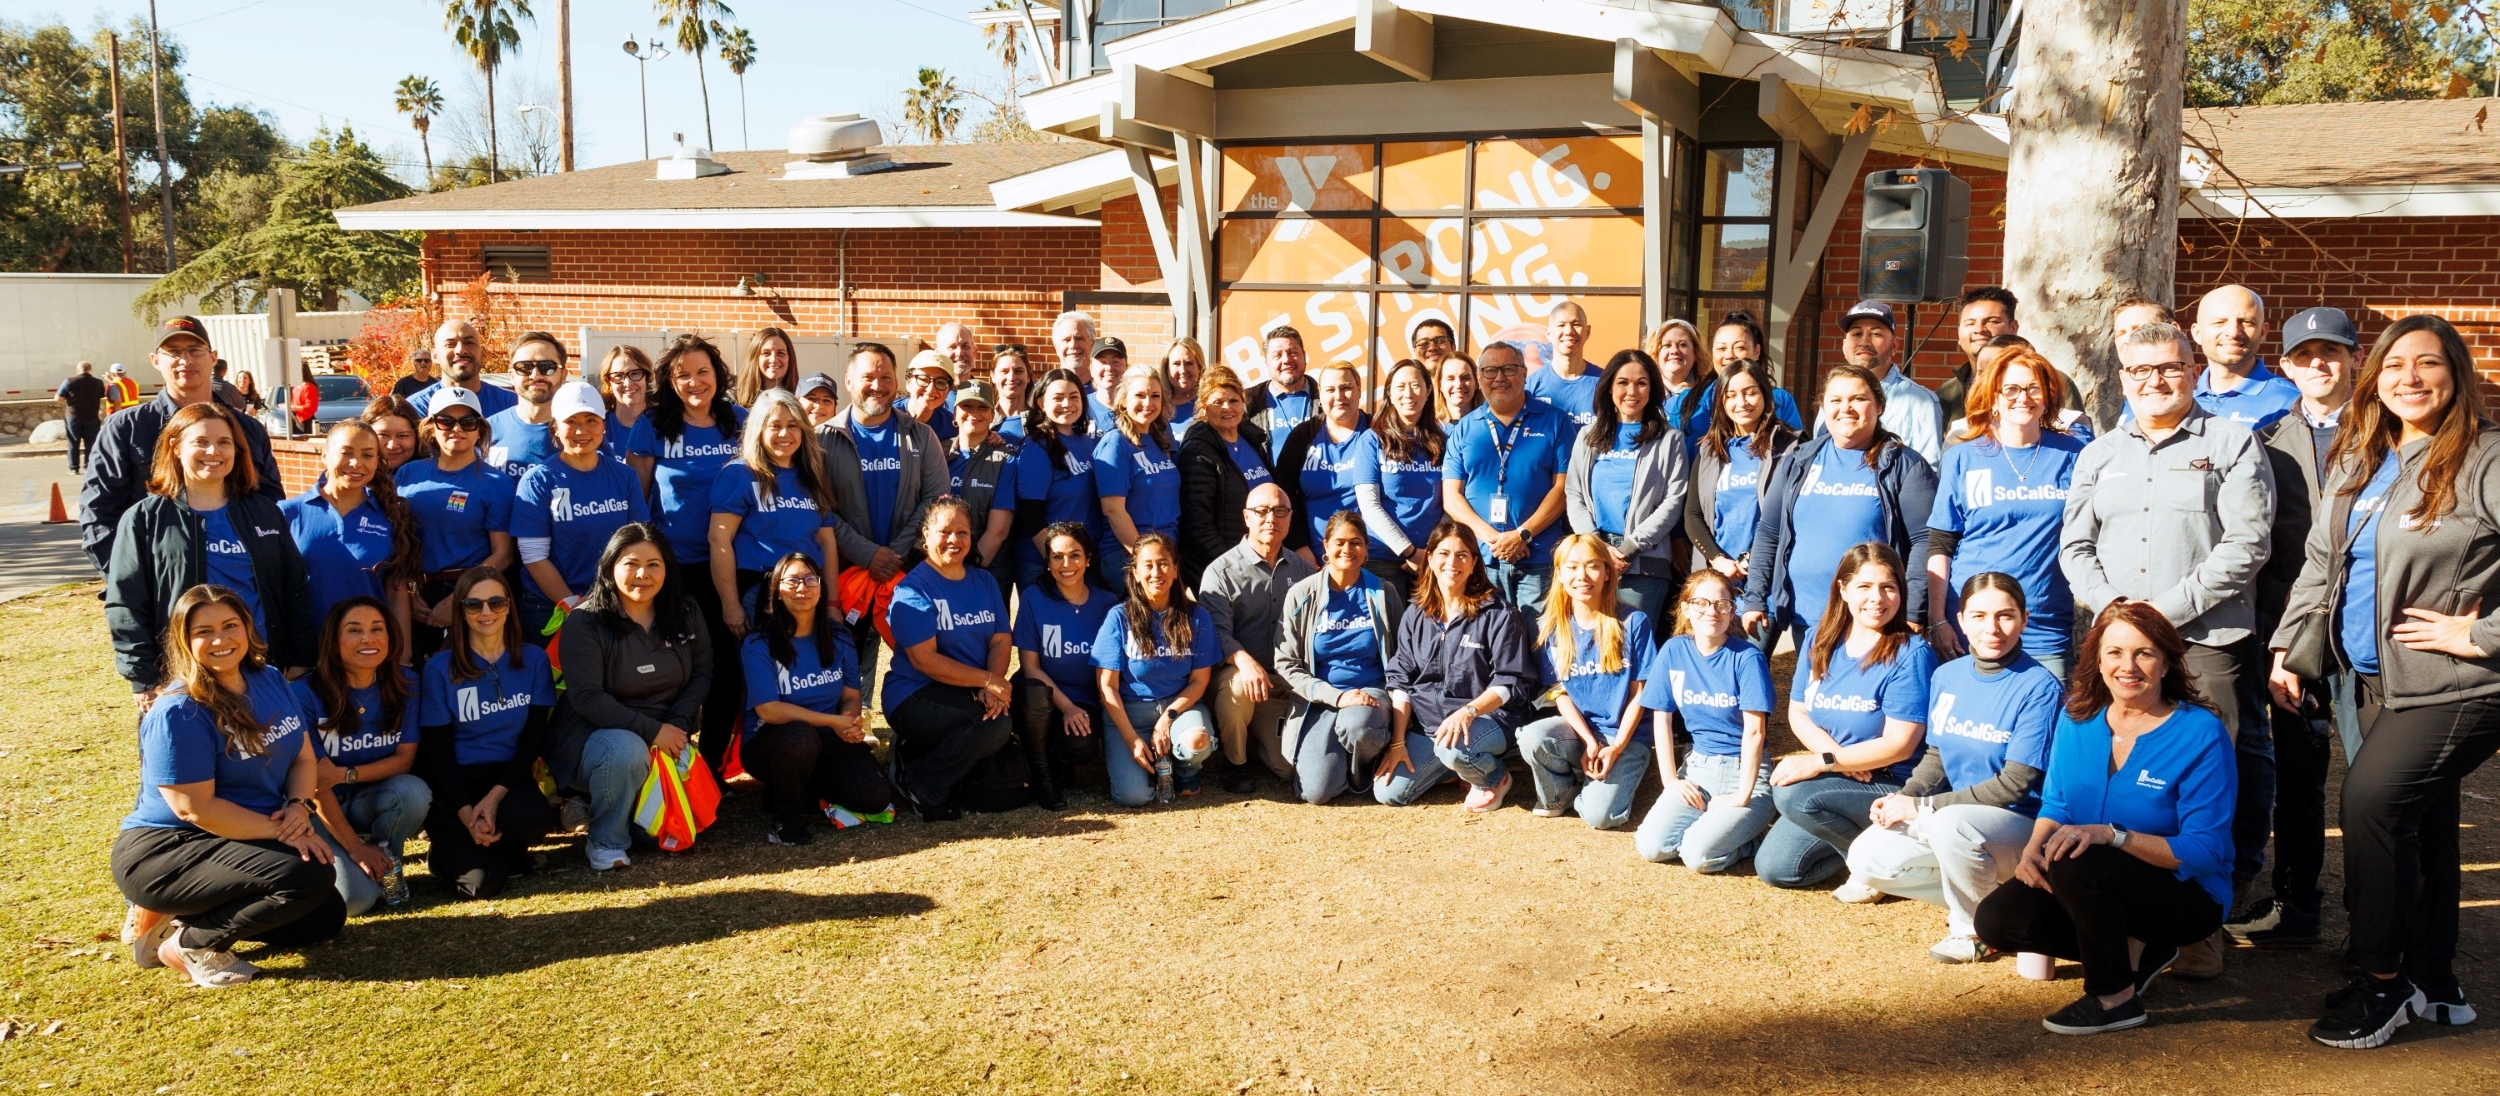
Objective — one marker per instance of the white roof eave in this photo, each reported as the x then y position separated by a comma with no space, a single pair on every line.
1076,184
674,219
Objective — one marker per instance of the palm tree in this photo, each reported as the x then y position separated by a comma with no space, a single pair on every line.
934,106
696,27
420,100
484,28
738,49
1001,37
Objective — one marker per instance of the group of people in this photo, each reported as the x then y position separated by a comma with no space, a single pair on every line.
497,608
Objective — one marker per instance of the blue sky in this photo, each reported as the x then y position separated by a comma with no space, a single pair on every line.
310,61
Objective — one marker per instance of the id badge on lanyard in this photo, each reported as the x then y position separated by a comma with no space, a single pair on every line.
1502,446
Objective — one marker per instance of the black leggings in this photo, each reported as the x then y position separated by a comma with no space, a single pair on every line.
2101,899
800,764
1048,747
2301,757
939,737
2401,808
523,818
226,890
425,639
727,699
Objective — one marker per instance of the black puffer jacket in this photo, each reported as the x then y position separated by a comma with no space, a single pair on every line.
1213,491
160,550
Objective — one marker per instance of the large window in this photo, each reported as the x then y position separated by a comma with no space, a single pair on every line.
1354,244
1735,189
1117,19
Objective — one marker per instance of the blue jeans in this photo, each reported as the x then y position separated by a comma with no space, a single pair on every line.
1521,584
1730,829
536,611
1651,594
388,812
1554,751
1193,742
1819,818
1339,746
614,763
1482,761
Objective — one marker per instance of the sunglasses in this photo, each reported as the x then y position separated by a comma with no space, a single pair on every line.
485,604
538,365
468,424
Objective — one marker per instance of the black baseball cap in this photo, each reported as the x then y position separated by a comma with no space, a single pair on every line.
1868,310
1110,344
182,325
2327,324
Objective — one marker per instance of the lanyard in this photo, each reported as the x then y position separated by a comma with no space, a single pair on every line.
1504,440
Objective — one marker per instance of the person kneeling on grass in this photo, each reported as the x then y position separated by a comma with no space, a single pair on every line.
1957,829
221,844
1463,654
808,741
1151,661
946,689
367,744
1333,646
484,704
1717,810
2131,857
1598,650
637,663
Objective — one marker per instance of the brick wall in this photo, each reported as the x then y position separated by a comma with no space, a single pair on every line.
1936,357
2377,270
1128,249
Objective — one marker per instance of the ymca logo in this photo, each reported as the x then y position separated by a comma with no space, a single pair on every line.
472,709
791,686
947,621
1694,698
1816,486
677,449
1055,643
561,507
1979,488
1941,718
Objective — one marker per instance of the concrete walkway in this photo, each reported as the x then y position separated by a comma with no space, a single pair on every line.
35,556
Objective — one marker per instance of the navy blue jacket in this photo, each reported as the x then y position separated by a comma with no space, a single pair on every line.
117,471
1905,484
1440,666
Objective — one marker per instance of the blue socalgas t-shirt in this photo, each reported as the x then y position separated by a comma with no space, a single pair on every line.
2356,620
1144,475
1064,486
362,739
1508,469
618,435
1851,702
1979,722
1160,674
578,511
809,681
1610,480
1411,489
1063,635
769,527
520,446
2256,403
1286,410
1736,510
1575,397
342,553
1838,507
486,712
682,471
960,614
455,511
1182,415
1330,473
2009,505
1599,695
230,566
1346,644
179,744
1712,692
1253,464
494,399
880,471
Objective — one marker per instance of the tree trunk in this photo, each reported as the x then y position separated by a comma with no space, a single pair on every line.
494,145
425,143
704,86
745,139
2092,186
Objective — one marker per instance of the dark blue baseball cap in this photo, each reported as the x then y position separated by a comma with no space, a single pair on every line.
1868,310
2329,324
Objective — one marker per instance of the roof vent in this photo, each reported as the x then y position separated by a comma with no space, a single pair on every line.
690,162
835,146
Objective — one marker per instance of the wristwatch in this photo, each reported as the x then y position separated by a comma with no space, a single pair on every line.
1830,760
351,775
2118,836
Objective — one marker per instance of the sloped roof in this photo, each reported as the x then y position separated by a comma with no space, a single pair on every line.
2311,145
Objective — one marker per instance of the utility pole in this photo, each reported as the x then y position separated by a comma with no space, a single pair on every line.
564,82
121,149
164,158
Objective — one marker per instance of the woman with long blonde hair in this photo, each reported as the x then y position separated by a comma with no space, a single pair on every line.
1590,755
1135,473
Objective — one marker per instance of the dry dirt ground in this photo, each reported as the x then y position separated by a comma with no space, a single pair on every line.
1229,944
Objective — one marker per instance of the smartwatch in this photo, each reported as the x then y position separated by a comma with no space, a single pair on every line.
2118,836
1829,760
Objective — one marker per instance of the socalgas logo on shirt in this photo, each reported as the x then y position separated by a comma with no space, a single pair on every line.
1055,643
1817,698
366,524
947,621
472,709
276,731
561,507
821,678
1730,478
1942,721
1694,698
1816,486
1350,622
677,449
1979,488
225,548
1147,465
334,743
776,501
881,464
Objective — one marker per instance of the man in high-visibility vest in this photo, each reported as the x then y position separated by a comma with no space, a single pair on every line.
119,390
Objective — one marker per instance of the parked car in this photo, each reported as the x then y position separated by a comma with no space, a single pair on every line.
343,397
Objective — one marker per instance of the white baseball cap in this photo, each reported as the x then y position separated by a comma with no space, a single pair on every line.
117,368
450,396
579,398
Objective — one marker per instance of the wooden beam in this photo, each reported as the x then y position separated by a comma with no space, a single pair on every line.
1115,130
1393,36
1151,97
1648,86
1141,174
1655,223
1791,118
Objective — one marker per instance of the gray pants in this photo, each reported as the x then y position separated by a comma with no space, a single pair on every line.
1338,747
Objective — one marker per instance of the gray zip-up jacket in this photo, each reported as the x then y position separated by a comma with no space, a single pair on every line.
2184,524
1304,605
1659,470
923,480
2450,566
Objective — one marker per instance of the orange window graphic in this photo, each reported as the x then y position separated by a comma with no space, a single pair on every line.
1333,251
1559,173
1297,178
1399,313
1418,175
1335,326
1561,252
1419,252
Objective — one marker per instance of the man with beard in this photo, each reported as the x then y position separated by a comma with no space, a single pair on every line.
524,434
463,360
886,468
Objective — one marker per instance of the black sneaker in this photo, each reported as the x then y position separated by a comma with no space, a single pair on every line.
940,812
2367,1013
2087,1017
2156,959
2445,1006
2273,923
790,831
2264,913
1237,779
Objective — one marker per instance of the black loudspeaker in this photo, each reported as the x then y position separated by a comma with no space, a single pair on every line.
1915,244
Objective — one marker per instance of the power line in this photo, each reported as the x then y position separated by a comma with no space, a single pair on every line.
219,15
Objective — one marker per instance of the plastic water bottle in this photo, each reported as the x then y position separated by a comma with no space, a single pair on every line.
395,885
1163,780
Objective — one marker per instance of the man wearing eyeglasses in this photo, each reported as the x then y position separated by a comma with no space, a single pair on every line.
524,434
117,466
1433,341
462,357
2175,507
1502,475
1244,594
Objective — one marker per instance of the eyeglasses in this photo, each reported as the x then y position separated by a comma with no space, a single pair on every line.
1709,605
465,423
1435,340
1501,370
537,365
2032,391
485,604
1263,513
638,376
196,353
2170,371
801,582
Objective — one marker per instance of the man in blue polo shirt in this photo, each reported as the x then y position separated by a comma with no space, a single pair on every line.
1503,476
2235,384
463,360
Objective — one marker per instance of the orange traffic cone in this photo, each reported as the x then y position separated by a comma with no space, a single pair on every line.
60,513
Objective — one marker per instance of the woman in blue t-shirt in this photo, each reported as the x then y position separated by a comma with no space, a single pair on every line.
1319,463
1717,810
355,533
1151,662
1134,474
777,499
1055,469
1397,474
1058,704
1855,484
483,707
565,510
461,507
366,741
1859,707
221,845
946,690
1957,828
2131,856
1591,754
1733,460
1624,482
1333,645
678,449
2001,504
808,740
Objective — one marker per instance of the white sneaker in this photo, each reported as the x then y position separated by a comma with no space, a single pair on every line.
608,859
1542,811
574,815
1857,894
143,947
1961,949
207,968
